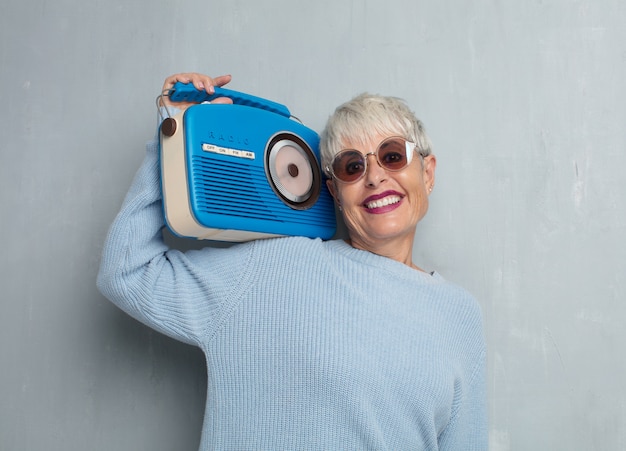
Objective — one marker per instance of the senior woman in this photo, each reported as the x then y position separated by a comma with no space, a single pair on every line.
311,344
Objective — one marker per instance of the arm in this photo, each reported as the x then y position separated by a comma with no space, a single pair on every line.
166,289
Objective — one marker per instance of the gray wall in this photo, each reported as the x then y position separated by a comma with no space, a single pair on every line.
525,102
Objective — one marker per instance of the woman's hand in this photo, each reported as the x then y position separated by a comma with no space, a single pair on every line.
201,82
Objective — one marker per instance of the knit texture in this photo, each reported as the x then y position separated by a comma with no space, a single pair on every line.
310,345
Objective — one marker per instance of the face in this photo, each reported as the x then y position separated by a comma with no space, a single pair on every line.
384,206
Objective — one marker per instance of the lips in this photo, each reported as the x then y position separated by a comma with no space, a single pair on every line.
380,201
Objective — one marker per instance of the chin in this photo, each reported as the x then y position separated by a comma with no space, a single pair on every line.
390,234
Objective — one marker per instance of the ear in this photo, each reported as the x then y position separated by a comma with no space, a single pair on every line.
332,188
428,174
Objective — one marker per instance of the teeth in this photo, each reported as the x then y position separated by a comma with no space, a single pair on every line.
383,202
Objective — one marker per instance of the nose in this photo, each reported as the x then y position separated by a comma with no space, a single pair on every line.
374,173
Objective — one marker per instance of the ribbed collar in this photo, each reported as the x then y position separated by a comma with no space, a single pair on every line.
382,263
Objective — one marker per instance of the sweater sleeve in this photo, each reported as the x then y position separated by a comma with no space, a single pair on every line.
183,295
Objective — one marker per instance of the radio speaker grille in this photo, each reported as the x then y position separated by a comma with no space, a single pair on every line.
241,190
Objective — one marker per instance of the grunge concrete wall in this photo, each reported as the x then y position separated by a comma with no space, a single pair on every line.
525,102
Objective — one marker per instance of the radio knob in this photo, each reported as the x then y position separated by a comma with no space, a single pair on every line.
168,126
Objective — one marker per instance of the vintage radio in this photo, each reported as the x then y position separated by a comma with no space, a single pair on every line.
241,171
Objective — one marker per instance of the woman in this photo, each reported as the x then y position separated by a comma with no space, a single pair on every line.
310,344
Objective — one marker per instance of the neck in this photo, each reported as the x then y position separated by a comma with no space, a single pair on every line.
400,250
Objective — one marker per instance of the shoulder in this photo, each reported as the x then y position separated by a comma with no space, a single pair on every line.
297,246
461,296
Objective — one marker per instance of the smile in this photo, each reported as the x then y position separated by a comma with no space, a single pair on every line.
379,203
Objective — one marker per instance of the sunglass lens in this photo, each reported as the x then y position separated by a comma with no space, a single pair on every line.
392,154
348,165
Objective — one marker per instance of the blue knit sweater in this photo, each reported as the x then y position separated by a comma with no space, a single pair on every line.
309,345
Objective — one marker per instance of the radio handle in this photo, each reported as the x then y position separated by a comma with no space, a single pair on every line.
187,92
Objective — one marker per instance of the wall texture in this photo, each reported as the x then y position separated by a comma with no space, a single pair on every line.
525,102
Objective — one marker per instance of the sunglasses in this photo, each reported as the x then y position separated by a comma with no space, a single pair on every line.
393,154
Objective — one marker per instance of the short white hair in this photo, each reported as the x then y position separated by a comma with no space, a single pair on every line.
369,115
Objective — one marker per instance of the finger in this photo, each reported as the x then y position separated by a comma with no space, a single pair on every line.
202,83
222,80
198,80
173,79
206,83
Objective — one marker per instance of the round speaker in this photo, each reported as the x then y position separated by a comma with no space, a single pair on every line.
293,171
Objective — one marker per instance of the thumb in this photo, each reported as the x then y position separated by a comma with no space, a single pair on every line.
224,100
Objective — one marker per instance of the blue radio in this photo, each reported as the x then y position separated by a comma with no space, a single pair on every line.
241,171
